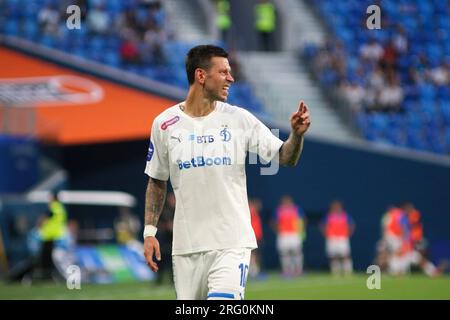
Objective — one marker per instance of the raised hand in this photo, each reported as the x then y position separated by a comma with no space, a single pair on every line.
300,120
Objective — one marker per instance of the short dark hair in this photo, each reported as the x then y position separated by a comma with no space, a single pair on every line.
200,57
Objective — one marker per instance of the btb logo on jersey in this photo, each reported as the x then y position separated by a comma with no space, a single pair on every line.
201,139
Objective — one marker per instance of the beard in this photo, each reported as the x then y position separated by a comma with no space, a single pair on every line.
214,95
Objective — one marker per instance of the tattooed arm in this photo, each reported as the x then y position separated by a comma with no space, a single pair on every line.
291,150
154,202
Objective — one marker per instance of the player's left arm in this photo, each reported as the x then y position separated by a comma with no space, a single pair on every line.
292,148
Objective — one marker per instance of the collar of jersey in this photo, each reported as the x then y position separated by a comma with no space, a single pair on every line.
184,114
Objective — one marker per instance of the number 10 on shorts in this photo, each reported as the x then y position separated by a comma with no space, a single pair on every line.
244,269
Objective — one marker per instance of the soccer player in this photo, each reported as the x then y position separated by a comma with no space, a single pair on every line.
396,236
337,227
201,145
290,222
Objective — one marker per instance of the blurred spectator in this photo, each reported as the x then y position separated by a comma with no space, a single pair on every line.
129,49
391,95
165,237
156,14
337,228
265,24
354,93
400,41
48,18
290,226
440,75
154,39
389,58
98,19
375,83
223,20
255,258
371,51
126,22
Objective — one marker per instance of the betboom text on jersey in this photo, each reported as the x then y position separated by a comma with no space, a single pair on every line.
201,161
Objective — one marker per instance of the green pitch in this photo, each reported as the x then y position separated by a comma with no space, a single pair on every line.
314,286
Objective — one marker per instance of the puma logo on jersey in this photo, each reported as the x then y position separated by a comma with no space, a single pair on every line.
176,138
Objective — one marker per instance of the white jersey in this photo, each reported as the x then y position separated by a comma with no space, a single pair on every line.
204,157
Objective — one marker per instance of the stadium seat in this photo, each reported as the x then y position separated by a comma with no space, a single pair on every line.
11,28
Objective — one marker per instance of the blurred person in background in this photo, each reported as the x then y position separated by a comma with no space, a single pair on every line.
129,49
27,270
48,19
391,95
255,207
337,228
354,93
440,75
371,52
290,226
127,227
98,19
213,236
223,20
265,24
152,47
53,228
417,249
396,235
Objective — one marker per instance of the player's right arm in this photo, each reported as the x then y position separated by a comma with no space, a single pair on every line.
155,197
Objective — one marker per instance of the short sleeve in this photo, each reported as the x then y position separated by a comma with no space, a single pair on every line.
157,165
262,141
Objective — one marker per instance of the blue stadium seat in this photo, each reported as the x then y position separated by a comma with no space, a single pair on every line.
11,28
447,137
30,30
112,58
48,41
444,107
396,136
416,140
97,43
427,92
113,42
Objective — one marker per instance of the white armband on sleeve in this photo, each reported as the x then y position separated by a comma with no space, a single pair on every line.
150,231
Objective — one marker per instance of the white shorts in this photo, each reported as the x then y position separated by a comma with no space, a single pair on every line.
289,242
393,243
414,257
212,275
338,247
